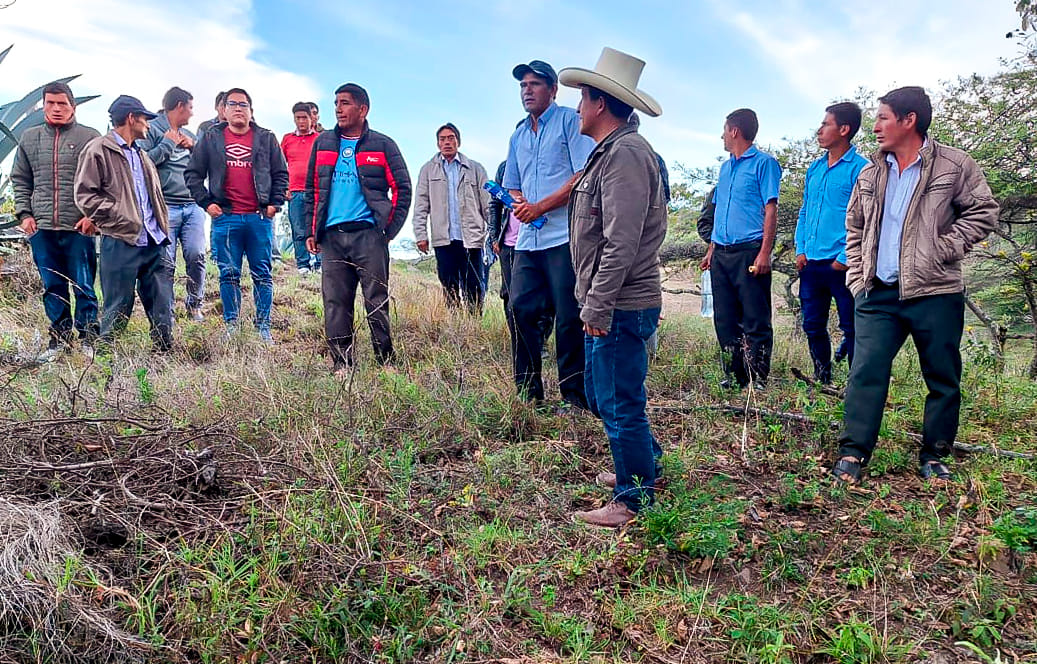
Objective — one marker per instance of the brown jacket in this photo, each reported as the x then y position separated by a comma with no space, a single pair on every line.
432,208
105,192
617,221
951,210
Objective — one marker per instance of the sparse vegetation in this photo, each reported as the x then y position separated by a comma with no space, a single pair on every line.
232,503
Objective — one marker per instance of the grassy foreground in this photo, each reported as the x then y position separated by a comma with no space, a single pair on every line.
232,503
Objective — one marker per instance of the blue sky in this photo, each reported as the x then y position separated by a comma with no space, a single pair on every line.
425,63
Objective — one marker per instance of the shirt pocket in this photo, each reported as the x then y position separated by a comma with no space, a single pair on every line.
838,195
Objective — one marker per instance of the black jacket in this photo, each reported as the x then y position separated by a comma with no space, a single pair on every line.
498,222
384,180
209,160
705,223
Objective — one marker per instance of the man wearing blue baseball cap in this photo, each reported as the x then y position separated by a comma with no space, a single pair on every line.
118,187
545,152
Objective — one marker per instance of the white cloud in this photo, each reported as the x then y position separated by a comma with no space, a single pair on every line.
879,44
143,49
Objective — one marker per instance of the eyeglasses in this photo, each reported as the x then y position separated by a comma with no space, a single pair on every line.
237,104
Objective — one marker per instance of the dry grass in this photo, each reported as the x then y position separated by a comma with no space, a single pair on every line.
250,507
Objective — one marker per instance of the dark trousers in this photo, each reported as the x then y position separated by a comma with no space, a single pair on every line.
883,323
460,274
617,365
819,284
507,261
542,281
67,258
742,312
351,258
149,270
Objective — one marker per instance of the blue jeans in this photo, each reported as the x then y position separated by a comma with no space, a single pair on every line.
187,225
819,284
252,236
614,380
63,258
301,228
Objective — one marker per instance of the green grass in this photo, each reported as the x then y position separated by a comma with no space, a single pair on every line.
423,515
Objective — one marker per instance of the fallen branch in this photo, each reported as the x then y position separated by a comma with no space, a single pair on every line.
798,417
820,387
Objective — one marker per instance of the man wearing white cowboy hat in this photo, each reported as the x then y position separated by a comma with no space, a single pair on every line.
617,221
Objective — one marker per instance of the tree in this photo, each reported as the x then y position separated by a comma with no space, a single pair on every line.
993,119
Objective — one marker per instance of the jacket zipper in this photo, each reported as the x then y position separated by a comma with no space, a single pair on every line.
57,134
907,215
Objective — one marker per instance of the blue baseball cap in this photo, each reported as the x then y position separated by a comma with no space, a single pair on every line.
125,104
538,67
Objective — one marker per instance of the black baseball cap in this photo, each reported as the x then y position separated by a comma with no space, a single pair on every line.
125,104
538,67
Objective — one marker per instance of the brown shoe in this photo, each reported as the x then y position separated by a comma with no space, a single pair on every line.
612,515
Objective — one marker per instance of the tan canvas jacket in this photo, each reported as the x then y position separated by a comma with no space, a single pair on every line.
951,210
431,208
105,192
617,222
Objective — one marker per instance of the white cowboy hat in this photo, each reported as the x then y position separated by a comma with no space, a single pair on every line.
615,74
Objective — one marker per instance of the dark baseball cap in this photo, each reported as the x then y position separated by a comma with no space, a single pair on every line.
538,67
125,104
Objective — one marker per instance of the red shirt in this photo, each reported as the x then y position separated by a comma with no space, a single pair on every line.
296,151
239,186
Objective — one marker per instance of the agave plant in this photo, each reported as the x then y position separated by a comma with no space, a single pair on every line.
17,116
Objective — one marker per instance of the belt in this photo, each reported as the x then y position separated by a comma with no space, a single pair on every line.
739,246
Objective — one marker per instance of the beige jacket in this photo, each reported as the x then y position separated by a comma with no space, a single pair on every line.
431,213
617,222
105,192
951,210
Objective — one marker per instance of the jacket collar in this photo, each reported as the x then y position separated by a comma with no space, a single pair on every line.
613,137
64,127
223,125
460,158
363,132
925,154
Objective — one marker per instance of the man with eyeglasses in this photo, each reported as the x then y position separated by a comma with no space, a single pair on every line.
248,179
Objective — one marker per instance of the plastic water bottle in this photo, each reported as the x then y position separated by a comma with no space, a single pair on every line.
707,295
502,195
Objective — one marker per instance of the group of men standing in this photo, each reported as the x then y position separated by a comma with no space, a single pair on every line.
578,240
882,238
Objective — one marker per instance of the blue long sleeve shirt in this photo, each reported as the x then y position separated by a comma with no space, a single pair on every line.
539,163
745,187
821,230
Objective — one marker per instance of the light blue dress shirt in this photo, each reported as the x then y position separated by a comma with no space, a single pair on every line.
140,186
539,163
899,189
821,230
452,170
745,186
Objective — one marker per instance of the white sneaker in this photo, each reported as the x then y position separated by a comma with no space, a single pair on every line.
52,353
303,270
